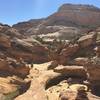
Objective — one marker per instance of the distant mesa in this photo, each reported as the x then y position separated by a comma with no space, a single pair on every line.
74,15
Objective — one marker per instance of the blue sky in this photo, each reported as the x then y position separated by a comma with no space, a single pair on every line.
13,11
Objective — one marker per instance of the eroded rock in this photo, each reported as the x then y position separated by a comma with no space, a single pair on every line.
87,40
71,70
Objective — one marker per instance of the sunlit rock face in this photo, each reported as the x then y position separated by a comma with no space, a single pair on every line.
85,17
75,15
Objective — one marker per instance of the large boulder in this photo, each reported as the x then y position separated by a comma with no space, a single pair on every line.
13,68
11,86
22,44
28,51
71,70
70,50
79,95
80,61
93,70
87,40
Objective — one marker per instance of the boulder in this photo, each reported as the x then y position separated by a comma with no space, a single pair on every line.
93,70
21,54
11,86
22,44
54,91
53,64
28,52
72,95
71,70
6,87
70,50
77,95
76,87
63,60
36,57
68,95
80,61
13,69
87,40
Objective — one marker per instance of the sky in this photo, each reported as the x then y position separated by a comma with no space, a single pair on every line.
14,11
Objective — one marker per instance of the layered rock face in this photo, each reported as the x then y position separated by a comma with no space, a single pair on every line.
85,17
76,15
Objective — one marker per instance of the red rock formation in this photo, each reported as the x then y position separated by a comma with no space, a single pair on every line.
85,17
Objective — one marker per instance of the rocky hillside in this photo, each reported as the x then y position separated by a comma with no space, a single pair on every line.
85,17
75,15
56,58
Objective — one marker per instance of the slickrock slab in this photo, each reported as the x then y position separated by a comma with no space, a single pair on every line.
41,77
39,80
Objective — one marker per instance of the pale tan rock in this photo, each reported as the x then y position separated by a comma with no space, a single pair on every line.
68,95
54,91
93,71
76,87
38,83
6,87
74,95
